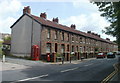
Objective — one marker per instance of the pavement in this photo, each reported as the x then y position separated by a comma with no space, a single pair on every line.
11,66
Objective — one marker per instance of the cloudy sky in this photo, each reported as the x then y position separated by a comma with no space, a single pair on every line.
82,13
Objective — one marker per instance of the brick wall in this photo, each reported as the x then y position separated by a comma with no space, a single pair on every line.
89,44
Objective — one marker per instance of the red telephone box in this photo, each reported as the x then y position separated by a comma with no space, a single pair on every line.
48,57
35,52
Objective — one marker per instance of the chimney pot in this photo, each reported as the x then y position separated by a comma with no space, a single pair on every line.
55,20
108,39
89,32
73,26
93,33
98,35
27,10
43,15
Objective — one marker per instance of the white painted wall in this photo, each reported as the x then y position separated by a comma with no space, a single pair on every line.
22,33
36,33
21,36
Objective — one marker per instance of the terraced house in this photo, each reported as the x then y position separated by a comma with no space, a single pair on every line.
54,38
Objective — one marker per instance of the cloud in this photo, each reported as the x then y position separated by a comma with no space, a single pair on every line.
10,8
92,22
90,19
6,23
80,3
53,0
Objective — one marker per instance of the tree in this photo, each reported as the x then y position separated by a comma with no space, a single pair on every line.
111,11
6,45
8,38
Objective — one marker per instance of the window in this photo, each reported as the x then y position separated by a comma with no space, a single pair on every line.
80,39
77,48
62,48
86,41
63,36
55,47
89,41
72,48
72,38
48,48
83,40
48,34
81,49
56,34
84,48
68,36
76,38
67,47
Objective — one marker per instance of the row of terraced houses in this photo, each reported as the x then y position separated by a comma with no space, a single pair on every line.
54,38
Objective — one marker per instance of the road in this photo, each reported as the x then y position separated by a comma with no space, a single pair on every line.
93,70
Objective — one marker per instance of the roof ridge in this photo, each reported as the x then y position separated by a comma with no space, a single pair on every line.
67,28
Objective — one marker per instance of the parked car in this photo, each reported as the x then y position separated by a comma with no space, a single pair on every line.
100,55
118,53
110,55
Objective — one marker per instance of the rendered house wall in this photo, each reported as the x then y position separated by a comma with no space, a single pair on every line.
25,31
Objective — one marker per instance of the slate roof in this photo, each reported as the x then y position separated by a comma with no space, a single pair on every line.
66,28
49,23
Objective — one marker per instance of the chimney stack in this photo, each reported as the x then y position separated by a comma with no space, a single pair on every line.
98,35
56,20
88,31
27,10
73,26
93,33
108,39
43,15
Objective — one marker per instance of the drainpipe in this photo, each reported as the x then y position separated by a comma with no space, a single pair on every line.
31,37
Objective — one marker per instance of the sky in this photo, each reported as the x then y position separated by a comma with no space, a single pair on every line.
82,13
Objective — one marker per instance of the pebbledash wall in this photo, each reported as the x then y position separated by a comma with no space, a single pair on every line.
54,38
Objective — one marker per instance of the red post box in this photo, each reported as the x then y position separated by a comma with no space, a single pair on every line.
35,52
48,57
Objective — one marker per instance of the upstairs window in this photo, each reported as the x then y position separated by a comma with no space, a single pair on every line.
81,50
48,33
77,48
76,38
48,48
62,48
63,36
68,36
80,39
72,38
72,48
56,34
67,47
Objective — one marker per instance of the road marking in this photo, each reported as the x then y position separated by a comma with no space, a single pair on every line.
31,78
111,75
69,69
88,64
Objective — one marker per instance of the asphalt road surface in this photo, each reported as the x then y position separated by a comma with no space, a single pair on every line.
93,70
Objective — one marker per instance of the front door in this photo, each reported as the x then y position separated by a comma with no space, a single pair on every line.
56,47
